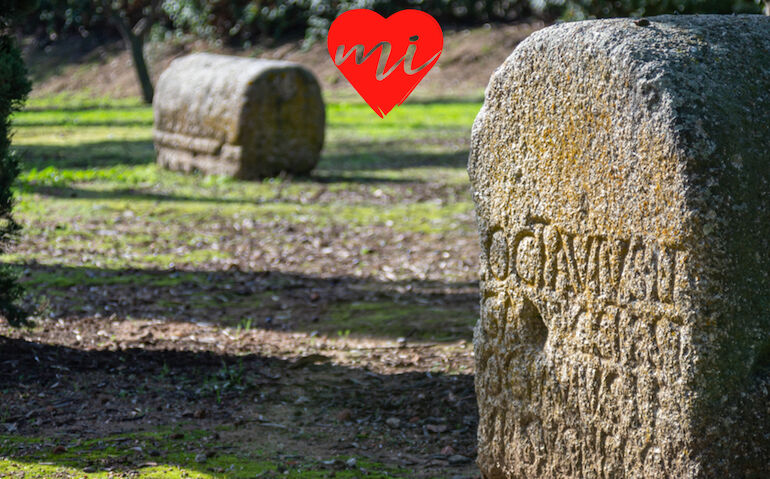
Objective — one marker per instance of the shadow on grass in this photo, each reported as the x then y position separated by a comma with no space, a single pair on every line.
66,191
358,156
414,309
344,157
138,409
133,194
101,154
85,107
83,123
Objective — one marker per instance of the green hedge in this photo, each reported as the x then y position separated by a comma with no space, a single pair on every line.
14,87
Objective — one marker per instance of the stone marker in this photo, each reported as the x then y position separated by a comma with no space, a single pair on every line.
239,117
621,175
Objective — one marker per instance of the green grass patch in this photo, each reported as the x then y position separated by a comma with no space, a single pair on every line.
137,115
90,195
87,277
138,230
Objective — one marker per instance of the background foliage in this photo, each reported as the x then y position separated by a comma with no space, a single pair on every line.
243,22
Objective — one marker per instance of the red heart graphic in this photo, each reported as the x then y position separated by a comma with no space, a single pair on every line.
384,58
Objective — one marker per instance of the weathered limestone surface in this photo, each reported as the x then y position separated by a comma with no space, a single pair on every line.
621,175
239,117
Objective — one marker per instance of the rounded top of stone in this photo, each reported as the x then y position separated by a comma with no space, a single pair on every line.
238,72
664,37
652,27
625,124
215,96
229,62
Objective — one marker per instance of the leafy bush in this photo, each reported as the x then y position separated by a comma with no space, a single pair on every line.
13,89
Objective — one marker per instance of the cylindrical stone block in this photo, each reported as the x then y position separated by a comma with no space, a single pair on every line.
240,117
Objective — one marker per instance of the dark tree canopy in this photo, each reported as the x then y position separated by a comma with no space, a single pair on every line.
241,22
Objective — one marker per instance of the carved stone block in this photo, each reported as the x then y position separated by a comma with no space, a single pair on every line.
621,176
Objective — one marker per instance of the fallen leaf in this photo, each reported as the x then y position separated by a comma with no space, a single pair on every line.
305,361
437,428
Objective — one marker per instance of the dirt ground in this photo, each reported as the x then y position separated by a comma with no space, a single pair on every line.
124,351
468,58
130,350
318,399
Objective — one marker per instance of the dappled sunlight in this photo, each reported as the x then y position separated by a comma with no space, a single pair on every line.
321,305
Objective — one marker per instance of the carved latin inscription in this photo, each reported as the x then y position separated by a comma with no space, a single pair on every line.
544,258
570,324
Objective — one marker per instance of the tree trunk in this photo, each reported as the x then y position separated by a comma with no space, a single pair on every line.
767,7
136,43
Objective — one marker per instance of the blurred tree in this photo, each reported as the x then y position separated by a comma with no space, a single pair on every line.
246,22
134,19
13,90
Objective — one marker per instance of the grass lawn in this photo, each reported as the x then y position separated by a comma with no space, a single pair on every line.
98,161
95,205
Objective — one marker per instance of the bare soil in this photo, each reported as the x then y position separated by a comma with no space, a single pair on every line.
468,59
120,351
318,399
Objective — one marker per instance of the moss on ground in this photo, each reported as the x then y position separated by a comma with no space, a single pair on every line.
166,454
415,321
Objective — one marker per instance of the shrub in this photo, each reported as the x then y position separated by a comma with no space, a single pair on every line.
13,90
